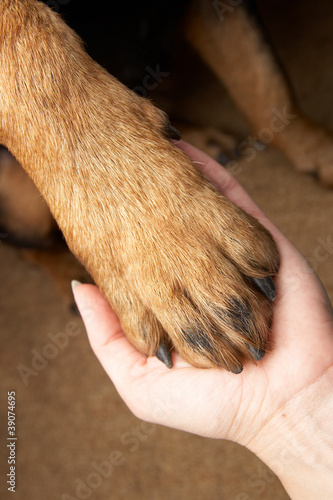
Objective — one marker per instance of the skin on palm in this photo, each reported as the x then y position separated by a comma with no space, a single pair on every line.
238,407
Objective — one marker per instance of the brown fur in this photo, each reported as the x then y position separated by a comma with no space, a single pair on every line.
172,255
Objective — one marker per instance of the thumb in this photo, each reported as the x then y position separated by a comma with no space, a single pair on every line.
107,339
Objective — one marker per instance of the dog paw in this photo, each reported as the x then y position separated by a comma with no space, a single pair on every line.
182,266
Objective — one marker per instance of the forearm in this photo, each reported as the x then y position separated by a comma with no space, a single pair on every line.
297,443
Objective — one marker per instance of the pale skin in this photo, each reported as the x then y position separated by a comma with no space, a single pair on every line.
281,408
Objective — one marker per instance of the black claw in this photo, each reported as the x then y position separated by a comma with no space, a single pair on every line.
173,132
236,369
258,354
266,286
163,354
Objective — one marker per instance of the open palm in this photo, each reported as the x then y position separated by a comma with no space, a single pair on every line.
213,402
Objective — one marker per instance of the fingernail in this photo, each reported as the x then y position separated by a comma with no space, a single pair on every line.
75,284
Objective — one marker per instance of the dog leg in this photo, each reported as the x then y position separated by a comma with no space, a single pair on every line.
179,263
229,40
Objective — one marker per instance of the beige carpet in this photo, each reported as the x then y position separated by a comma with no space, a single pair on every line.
69,416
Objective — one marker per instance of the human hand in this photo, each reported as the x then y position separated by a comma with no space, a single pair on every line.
213,402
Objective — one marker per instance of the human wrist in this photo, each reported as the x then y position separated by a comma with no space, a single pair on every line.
297,442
